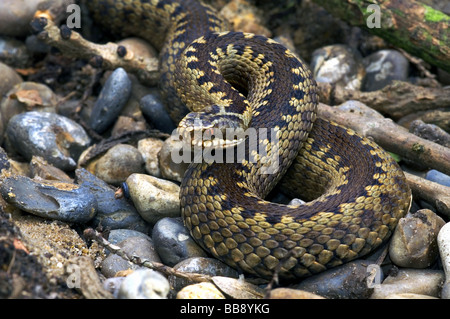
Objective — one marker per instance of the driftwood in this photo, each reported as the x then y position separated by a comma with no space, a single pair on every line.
106,56
410,25
396,100
433,193
393,137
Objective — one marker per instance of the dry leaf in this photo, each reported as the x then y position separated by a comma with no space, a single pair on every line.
30,98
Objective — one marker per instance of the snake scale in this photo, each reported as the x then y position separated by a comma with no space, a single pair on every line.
356,192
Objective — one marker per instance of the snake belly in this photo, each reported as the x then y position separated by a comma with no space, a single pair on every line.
356,191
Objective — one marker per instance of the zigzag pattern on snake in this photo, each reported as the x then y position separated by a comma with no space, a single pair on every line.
356,191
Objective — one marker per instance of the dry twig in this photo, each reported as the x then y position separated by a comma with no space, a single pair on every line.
195,277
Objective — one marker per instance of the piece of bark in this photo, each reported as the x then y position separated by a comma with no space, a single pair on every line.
395,100
392,137
410,25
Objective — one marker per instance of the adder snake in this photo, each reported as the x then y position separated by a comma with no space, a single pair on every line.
356,191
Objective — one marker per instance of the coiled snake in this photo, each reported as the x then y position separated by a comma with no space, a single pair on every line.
356,191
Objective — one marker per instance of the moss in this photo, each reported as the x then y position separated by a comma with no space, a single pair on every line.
435,15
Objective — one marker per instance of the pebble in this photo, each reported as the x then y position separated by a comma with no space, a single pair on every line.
10,78
150,148
438,177
34,45
144,284
154,198
125,124
28,96
200,265
55,200
117,164
154,111
133,246
238,288
245,17
113,213
414,242
170,169
338,64
14,53
173,242
203,290
139,47
4,160
113,97
383,67
118,235
40,168
288,293
444,251
409,296
15,16
113,285
418,281
54,137
430,132
348,281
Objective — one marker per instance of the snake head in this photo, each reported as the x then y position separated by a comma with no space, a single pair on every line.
212,129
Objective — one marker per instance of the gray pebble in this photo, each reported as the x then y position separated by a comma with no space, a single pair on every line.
113,285
154,198
173,242
48,135
430,132
112,212
14,53
133,246
155,112
200,265
338,64
9,79
296,202
438,177
414,242
55,200
383,67
112,99
34,45
348,281
15,16
118,163
118,235
144,284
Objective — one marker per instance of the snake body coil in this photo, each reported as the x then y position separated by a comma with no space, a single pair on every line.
356,190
